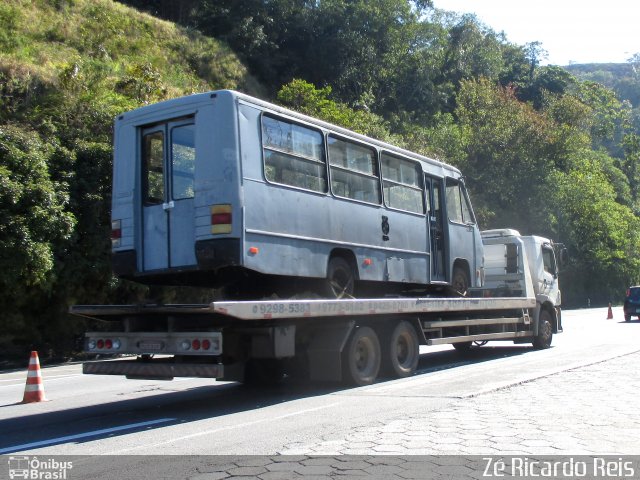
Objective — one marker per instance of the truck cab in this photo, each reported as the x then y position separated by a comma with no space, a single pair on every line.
507,254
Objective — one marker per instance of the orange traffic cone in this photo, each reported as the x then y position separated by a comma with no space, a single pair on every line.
610,313
34,389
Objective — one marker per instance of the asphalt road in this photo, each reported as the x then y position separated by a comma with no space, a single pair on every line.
98,415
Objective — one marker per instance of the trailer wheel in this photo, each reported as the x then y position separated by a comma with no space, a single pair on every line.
402,352
340,282
361,361
545,331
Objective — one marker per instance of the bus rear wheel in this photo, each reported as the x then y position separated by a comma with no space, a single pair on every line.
341,280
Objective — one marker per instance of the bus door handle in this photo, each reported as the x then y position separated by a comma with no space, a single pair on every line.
168,205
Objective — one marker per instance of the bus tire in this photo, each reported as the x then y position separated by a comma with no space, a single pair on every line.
361,360
340,282
403,351
545,331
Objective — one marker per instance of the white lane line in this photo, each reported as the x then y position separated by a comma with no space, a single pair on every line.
48,370
44,379
104,431
44,375
222,429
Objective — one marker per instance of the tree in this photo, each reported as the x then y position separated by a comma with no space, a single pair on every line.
507,144
35,225
306,98
33,210
602,234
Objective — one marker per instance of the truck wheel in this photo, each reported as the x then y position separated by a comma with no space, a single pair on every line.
545,331
460,280
340,280
402,352
361,361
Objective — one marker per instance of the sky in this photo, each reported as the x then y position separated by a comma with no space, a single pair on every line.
571,31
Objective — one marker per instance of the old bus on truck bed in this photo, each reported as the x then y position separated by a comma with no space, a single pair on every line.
221,189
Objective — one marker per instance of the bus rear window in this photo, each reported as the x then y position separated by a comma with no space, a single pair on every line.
183,160
293,155
153,164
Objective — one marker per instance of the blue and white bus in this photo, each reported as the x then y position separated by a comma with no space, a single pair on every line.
222,189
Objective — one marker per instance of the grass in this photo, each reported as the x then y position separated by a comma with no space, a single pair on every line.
104,53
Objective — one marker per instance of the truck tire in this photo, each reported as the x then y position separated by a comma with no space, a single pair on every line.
403,351
460,280
361,360
340,282
545,331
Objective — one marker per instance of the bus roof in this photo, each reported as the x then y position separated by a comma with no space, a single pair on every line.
206,96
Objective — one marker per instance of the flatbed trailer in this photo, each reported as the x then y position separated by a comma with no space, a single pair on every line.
353,340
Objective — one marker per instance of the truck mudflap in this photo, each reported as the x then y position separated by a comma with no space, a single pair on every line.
156,369
558,320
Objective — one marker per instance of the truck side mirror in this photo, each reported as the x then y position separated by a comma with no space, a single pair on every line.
563,256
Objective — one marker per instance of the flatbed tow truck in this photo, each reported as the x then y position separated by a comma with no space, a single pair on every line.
350,340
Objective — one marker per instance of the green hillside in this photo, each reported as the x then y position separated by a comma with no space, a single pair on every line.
101,56
544,150
623,78
66,69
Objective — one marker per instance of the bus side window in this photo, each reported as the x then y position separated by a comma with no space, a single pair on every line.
293,155
354,171
402,182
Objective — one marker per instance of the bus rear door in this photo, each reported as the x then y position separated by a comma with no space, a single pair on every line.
168,157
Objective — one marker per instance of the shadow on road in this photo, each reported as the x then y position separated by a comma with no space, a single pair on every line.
193,404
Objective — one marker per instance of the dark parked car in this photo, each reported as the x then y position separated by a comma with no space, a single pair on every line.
632,303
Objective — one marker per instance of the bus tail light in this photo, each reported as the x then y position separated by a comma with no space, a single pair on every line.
116,233
221,219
